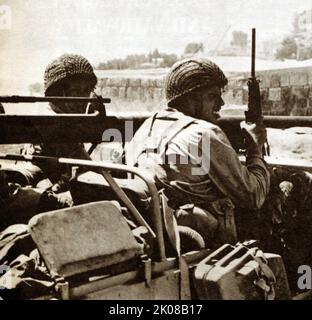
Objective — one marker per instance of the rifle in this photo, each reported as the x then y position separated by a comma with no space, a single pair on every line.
254,112
69,128
96,101
32,99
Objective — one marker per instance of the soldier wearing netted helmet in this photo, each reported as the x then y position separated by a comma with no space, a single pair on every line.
70,75
192,159
188,79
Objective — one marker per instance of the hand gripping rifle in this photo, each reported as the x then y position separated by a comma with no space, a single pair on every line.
254,112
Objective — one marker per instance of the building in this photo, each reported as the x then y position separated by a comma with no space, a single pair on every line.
305,21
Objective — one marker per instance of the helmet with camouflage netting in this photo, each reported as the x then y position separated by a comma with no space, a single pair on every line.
190,74
65,67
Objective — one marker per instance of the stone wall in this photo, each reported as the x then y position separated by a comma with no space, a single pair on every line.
283,92
132,89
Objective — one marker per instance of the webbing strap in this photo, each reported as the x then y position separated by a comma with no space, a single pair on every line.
172,131
168,134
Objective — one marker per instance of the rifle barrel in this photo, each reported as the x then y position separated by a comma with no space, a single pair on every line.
253,53
30,99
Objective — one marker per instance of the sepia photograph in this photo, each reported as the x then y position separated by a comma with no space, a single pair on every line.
156,150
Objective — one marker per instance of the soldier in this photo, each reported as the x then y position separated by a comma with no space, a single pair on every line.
191,157
69,75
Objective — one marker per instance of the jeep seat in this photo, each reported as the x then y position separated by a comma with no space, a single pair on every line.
79,239
91,187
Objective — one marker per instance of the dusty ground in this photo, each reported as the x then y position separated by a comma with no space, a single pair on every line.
293,142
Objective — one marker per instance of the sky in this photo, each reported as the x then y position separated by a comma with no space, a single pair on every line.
33,32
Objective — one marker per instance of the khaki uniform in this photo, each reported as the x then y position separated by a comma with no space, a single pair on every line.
200,167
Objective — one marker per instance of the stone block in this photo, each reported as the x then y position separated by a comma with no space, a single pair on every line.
267,107
298,112
153,83
158,94
106,92
122,93
298,79
285,81
133,93
230,85
275,81
300,92
238,83
98,90
149,93
303,79
310,78
302,103
102,82
245,95
264,94
160,82
238,95
141,93
114,92
309,110
293,79
146,83
277,108
264,79
118,82
228,96
287,99
134,82
110,82
124,82
275,94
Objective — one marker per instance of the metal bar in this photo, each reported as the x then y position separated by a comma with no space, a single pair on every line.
281,122
110,167
253,53
30,99
124,198
68,116
157,268
149,182
273,161
102,284
274,121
